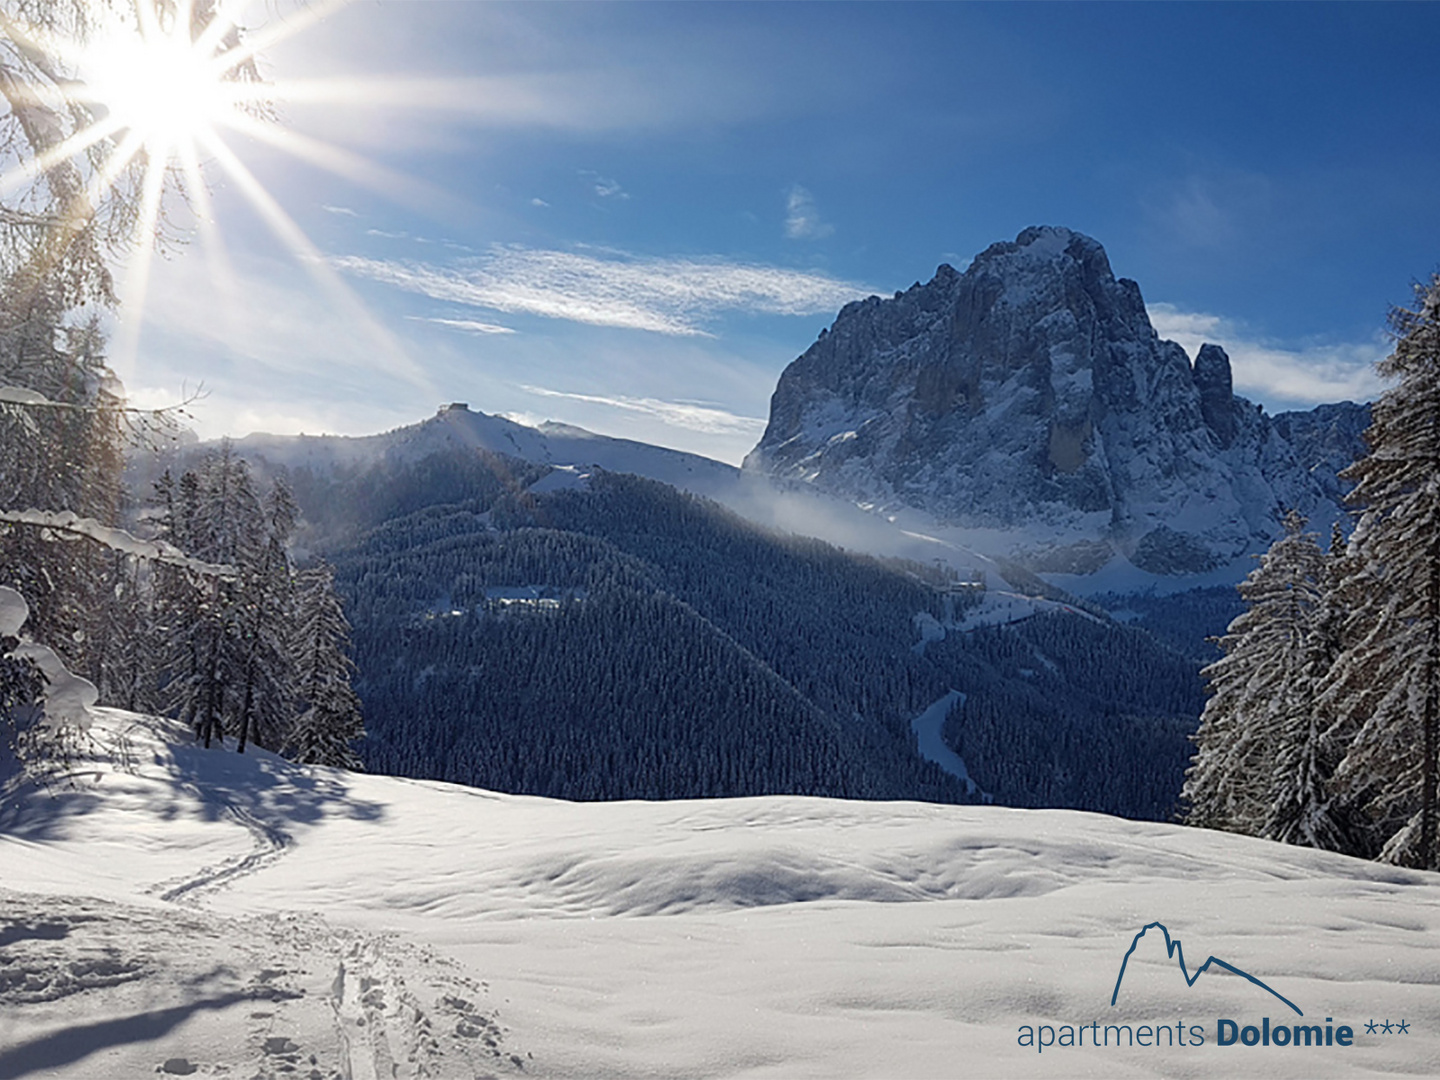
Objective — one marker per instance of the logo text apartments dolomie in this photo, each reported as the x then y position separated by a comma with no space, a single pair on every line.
1226,1032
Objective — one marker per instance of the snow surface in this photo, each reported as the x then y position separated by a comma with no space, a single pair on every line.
183,909
1000,608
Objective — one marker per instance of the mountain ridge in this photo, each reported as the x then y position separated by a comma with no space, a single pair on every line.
1024,411
456,426
1032,396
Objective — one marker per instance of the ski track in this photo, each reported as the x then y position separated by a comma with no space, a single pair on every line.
270,842
397,1011
93,988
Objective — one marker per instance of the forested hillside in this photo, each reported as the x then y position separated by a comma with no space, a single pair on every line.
348,499
1066,711
1188,622
620,639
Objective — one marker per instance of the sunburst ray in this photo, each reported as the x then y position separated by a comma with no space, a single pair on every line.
149,96
293,237
407,190
136,282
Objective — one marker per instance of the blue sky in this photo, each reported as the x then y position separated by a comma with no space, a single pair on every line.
632,217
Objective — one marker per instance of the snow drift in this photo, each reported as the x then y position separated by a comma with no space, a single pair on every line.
204,912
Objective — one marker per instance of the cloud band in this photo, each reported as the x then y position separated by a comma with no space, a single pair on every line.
1289,377
663,296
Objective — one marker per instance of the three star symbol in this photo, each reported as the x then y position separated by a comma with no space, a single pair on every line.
1387,1028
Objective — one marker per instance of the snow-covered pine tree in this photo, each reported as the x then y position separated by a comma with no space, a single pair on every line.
331,719
59,433
121,654
1304,808
1260,691
210,647
232,663
72,212
99,596
189,618
1385,685
61,442
266,606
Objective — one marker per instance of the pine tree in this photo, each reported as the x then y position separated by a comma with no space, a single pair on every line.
244,655
322,734
64,454
120,633
1307,808
63,420
98,597
265,607
60,436
1254,727
1303,807
188,623
225,674
1385,686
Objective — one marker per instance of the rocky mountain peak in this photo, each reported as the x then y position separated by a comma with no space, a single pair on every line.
1217,392
1031,395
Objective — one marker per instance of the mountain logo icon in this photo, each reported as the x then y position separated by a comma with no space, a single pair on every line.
1173,949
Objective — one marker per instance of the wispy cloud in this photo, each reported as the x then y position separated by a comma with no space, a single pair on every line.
1308,375
802,219
271,321
1211,212
603,186
470,326
682,414
663,296
1197,218
537,201
343,210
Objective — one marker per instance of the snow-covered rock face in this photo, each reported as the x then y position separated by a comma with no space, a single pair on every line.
1327,439
1033,389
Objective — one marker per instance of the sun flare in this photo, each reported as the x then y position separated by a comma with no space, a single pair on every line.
130,108
162,87
151,93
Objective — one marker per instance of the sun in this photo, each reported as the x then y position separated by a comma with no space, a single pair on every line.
159,79
165,87
131,105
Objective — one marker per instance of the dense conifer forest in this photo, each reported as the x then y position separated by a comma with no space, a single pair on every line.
625,640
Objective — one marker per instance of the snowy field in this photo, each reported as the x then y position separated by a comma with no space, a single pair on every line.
184,912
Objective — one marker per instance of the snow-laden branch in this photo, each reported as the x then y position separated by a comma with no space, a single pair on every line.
19,217
23,395
70,523
68,697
